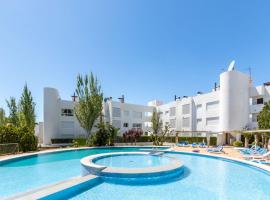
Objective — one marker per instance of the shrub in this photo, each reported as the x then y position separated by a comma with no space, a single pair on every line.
78,142
61,140
237,143
9,134
23,136
28,142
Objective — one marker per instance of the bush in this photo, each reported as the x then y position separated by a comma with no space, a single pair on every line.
62,140
237,143
28,142
171,139
78,142
9,134
23,136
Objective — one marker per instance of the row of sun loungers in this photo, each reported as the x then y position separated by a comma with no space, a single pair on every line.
254,150
194,144
256,154
217,149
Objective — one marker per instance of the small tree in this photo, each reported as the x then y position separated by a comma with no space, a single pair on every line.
264,118
27,115
112,131
89,107
13,112
156,127
247,138
132,135
2,117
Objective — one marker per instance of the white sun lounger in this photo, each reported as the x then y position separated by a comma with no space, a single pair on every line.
249,157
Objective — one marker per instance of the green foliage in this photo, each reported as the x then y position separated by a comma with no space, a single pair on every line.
23,114
2,117
237,143
158,134
100,138
13,111
171,139
61,140
112,131
9,134
104,136
28,141
264,117
27,109
89,107
79,142
23,136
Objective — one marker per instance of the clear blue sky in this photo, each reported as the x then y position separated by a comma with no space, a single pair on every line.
144,49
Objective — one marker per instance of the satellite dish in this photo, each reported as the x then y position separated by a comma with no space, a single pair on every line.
231,66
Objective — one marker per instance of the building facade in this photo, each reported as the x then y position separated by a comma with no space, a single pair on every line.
231,106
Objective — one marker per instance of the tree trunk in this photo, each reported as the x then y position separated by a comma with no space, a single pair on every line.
246,142
256,139
176,138
268,146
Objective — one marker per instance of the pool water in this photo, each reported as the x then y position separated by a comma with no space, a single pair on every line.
36,171
204,178
133,161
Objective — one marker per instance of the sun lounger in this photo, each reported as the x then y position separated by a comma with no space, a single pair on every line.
251,157
218,149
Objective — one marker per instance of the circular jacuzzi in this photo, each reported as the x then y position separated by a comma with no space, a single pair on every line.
139,165
133,160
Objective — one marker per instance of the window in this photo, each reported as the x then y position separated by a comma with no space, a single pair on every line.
212,121
199,120
212,105
254,117
67,112
199,108
172,111
126,113
199,124
137,115
125,125
185,109
172,123
148,114
185,122
260,101
167,112
137,125
116,123
116,112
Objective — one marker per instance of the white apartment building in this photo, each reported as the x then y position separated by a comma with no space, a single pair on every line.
229,107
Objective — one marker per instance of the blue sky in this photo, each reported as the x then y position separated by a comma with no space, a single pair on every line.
144,49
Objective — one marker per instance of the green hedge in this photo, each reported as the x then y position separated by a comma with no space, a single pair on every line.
23,136
237,143
171,139
62,140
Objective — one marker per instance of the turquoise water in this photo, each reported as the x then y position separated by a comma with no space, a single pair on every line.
36,171
204,178
133,161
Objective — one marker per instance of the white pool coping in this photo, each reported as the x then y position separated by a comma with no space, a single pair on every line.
51,189
91,167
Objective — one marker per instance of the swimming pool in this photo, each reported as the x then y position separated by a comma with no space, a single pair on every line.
133,161
27,173
204,178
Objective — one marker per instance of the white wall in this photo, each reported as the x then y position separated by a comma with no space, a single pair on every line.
227,109
234,101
